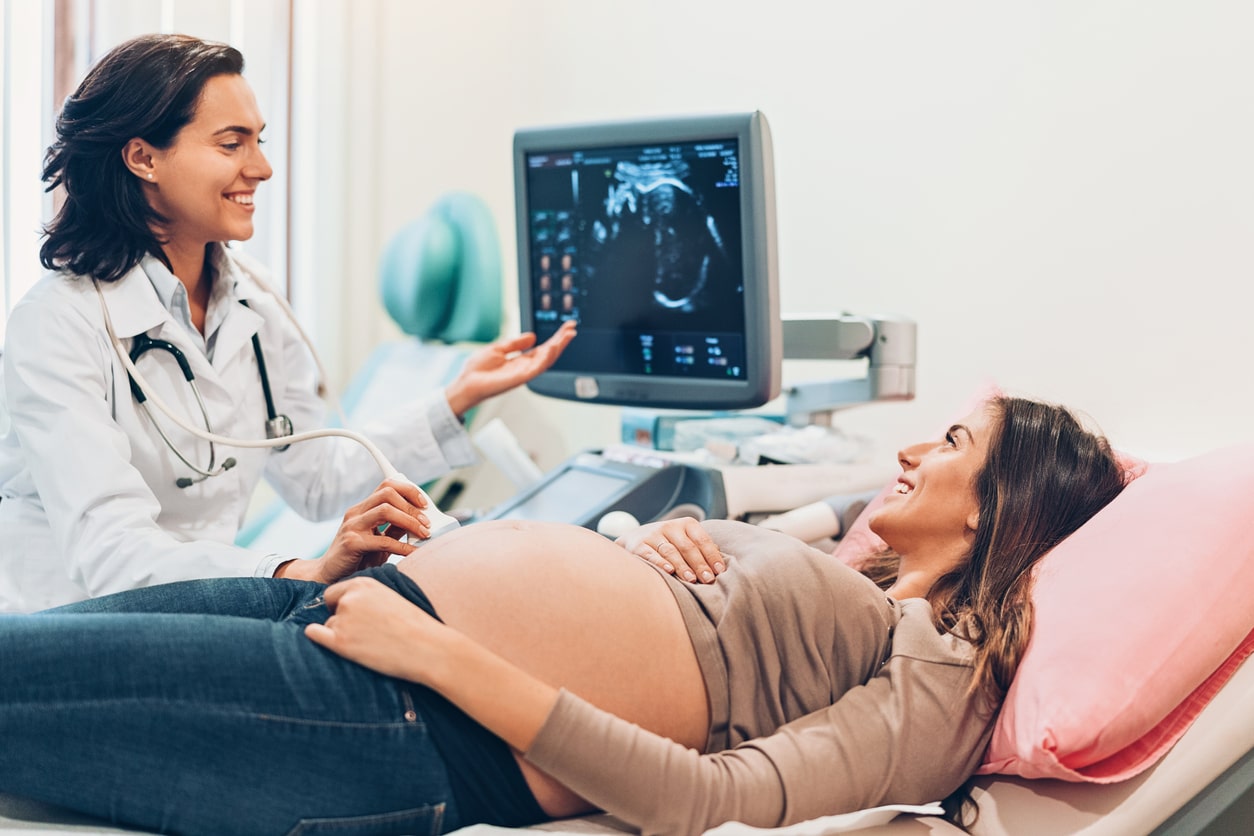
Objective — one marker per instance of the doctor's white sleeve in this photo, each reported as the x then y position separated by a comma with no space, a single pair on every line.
319,479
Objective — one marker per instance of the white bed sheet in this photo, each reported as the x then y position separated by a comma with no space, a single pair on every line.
847,823
28,818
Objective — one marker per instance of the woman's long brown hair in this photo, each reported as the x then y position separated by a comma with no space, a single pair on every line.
1044,477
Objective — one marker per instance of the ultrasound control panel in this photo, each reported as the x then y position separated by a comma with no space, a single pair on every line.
589,485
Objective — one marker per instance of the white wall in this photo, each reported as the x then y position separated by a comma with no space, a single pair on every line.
1061,193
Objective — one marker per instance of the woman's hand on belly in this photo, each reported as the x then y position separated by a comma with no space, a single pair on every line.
527,608
377,628
574,610
679,547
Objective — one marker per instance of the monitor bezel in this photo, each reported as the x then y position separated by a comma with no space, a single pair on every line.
763,345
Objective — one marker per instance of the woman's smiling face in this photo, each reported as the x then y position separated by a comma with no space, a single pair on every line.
935,499
204,182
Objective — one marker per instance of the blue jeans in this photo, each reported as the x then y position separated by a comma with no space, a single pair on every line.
200,707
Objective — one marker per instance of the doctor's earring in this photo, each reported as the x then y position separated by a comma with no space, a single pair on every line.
150,175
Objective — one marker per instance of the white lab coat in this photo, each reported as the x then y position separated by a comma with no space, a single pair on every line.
89,502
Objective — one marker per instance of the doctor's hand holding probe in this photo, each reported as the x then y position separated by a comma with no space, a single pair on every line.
152,379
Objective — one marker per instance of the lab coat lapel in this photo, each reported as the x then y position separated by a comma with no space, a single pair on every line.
135,308
234,341
133,305
234,344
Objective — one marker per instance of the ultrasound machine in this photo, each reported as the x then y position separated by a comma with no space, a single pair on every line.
658,238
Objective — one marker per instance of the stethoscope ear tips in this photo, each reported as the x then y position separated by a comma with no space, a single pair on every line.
188,481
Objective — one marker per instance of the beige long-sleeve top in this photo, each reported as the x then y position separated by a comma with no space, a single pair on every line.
831,696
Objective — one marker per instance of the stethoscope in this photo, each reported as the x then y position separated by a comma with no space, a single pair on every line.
279,432
277,426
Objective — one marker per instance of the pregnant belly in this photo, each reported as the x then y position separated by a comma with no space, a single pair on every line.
577,612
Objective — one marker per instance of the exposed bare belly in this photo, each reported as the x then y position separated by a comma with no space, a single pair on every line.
577,612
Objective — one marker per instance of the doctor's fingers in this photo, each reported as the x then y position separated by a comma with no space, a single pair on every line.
390,521
542,355
512,345
399,492
355,549
523,367
548,351
386,507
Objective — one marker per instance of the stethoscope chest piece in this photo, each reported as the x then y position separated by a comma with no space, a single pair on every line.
280,426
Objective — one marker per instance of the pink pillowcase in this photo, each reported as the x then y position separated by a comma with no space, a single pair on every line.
1141,616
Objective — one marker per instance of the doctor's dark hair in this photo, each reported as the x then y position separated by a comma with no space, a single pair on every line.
147,87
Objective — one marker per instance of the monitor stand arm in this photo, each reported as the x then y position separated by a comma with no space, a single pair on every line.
887,344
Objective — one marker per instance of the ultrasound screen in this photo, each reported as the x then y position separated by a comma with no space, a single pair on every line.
641,245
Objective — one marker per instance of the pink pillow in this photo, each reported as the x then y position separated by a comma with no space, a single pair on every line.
860,542
1141,616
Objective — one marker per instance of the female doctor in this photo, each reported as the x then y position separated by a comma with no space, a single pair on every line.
159,153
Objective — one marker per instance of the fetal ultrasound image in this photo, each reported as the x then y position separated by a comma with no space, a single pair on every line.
658,249
642,245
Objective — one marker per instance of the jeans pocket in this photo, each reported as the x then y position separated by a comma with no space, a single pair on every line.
420,821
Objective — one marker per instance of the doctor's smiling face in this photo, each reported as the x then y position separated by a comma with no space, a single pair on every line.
204,182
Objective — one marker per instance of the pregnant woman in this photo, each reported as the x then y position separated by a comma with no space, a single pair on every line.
510,673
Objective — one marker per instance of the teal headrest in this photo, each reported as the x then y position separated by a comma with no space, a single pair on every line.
440,275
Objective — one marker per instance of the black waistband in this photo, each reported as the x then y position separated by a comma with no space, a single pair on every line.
485,778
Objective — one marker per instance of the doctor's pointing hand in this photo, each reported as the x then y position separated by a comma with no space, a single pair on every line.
159,153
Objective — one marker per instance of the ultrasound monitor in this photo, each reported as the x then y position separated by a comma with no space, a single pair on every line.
658,238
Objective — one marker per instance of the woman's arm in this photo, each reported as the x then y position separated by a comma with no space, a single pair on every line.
647,779
912,734
375,627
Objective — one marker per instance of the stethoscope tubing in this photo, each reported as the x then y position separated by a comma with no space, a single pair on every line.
140,346
389,472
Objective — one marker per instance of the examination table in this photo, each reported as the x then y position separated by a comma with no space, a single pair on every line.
1203,783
